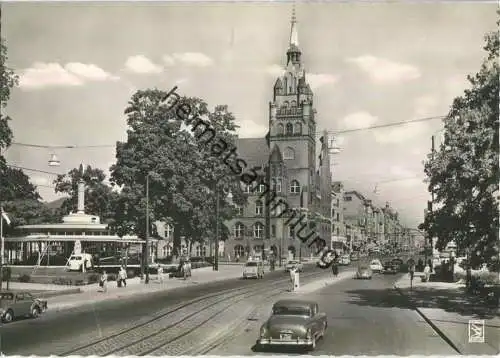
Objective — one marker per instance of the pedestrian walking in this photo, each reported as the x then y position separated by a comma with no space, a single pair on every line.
160,273
122,277
293,269
103,282
427,273
335,268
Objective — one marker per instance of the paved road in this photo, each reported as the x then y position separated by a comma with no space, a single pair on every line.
365,318
57,332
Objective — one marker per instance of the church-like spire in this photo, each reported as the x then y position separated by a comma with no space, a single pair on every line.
294,34
293,53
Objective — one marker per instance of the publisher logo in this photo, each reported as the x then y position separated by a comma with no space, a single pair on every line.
476,331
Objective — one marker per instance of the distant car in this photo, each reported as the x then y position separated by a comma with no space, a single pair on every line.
397,263
296,263
293,322
345,260
354,257
253,269
376,265
364,272
390,268
19,304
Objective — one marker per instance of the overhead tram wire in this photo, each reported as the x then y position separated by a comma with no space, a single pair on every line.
334,132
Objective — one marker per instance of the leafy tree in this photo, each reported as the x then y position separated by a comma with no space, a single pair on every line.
27,212
99,197
8,80
464,171
14,185
182,170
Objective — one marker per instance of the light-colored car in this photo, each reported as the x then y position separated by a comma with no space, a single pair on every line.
253,269
76,262
19,304
376,265
296,263
364,272
293,322
345,260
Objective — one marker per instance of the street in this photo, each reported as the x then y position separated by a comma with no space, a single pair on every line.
365,317
62,332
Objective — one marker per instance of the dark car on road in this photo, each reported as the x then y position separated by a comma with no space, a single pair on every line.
397,263
390,268
19,304
293,322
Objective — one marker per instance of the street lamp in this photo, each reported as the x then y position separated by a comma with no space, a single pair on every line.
229,199
146,251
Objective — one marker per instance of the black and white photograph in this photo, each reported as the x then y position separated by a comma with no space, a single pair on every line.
249,178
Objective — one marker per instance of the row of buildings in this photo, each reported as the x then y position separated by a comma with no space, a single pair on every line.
300,177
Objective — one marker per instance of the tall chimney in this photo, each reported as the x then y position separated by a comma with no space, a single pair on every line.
81,196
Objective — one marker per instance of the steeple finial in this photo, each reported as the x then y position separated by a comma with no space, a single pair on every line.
294,35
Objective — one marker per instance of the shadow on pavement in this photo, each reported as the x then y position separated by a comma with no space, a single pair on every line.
279,350
449,300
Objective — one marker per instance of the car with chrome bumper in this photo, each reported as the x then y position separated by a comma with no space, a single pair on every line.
20,304
390,268
293,322
364,273
253,269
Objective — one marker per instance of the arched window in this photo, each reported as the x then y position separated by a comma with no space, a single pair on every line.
288,153
289,129
239,251
259,208
293,104
280,130
295,187
258,230
239,230
285,104
298,128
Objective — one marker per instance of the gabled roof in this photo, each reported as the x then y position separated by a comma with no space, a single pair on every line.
254,151
276,155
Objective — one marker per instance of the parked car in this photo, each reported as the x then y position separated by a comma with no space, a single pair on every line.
18,304
364,272
254,269
376,265
354,257
397,263
76,262
345,260
293,322
296,263
390,268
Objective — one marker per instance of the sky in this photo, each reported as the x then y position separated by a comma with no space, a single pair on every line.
368,64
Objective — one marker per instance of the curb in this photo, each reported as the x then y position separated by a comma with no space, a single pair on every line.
429,322
49,294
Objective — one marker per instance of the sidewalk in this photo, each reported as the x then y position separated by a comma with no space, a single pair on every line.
90,293
448,309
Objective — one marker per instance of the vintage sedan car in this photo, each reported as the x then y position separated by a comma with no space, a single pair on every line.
292,263
345,260
253,269
390,268
376,265
364,272
18,304
398,263
293,322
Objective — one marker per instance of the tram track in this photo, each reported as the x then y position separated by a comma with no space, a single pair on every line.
167,327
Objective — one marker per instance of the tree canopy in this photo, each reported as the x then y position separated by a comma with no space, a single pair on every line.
463,173
181,166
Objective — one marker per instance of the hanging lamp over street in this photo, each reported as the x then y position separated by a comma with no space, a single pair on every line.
54,161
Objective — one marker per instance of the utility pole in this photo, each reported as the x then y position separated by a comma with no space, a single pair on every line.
216,248
429,207
146,255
